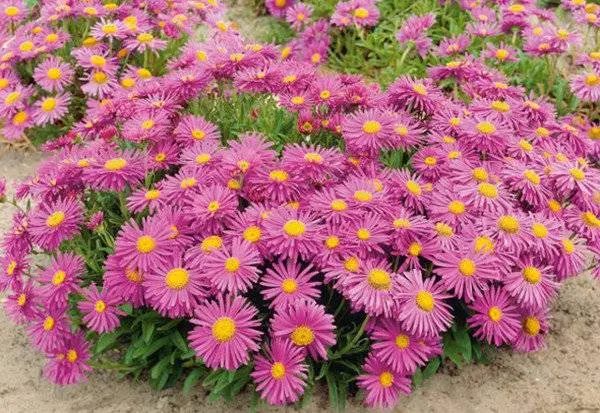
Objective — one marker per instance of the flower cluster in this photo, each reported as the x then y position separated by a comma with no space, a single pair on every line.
266,254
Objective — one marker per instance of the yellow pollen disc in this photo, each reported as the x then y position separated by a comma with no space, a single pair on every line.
590,219
554,205
444,229
100,306
363,196
59,277
454,63
278,175
11,98
22,300
425,301
454,121
487,128
594,133
543,132
402,341
361,13
313,157
144,73
109,28
325,94
297,100
128,82
72,356
501,85
592,80
363,234
289,286
198,134
145,244
467,267
232,264
115,164
160,157
145,37
233,184
501,54
386,379
285,52
213,206
147,124
177,278
483,244
495,314
568,246
294,228
532,275
48,323
10,269
280,3
531,326
480,174
413,187
187,183
26,46
414,249
352,264
12,11
243,165
289,79
152,194
577,174
332,242
252,234
488,190
223,329
401,223
48,104
379,279
211,243
302,336
539,230
55,219
134,276
456,207
278,370
420,89
500,106
595,55
430,161
532,176
371,127
509,224
98,61
54,73
454,154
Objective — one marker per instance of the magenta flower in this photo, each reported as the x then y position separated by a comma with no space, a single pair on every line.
225,330
68,363
496,318
531,284
286,283
53,223
48,329
290,233
53,74
21,305
61,278
307,325
123,282
280,375
113,171
233,269
99,309
382,384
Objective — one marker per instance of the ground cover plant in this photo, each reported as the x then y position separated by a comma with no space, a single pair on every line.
247,218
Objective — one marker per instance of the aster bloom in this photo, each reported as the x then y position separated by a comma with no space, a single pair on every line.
372,287
532,284
279,8
68,363
233,269
48,329
113,171
143,42
421,306
52,223
60,279
307,325
50,109
586,86
534,326
213,206
501,53
225,330
286,283
290,233
367,131
396,347
280,375
496,318
143,247
99,309
53,74
123,282
21,304
382,384
298,15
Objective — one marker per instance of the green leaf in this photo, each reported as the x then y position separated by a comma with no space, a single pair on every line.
431,368
179,341
148,327
160,367
106,340
192,379
127,308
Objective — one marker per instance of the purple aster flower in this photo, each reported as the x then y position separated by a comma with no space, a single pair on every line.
60,279
53,74
234,269
52,223
68,363
382,384
496,319
286,283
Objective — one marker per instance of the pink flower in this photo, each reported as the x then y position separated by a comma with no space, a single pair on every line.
100,311
382,384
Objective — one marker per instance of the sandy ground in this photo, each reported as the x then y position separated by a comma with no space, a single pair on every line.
565,377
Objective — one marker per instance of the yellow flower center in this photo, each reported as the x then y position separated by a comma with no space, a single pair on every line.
480,174
213,206
456,207
49,323
554,205
487,128
252,234
278,175
145,244
294,228
425,301
444,229
501,54
232,264
532,275
363,196
313,157
413,187
488,190
12,11
55,219
289,79
187,183
98,61
325,94
277,370
22,300
568,246
590,219
371,127
414,249
280,3
363,234
454,121
430,161
48,104
509,224
361,13
223,329
10,269
302,336
332,242
289,286
54,73
420,89
495,314
115,164
386,379
100,306
211,243
152,194
532,176
11,98
352,264
577,174
144,73
177,278
402,341
145,37
592,80
26,46
516,8
133,276
467,267
109,28
297,100
379,279
531,326
59,277
539,230
483,244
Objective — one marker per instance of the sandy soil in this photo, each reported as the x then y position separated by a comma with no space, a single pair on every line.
565,377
